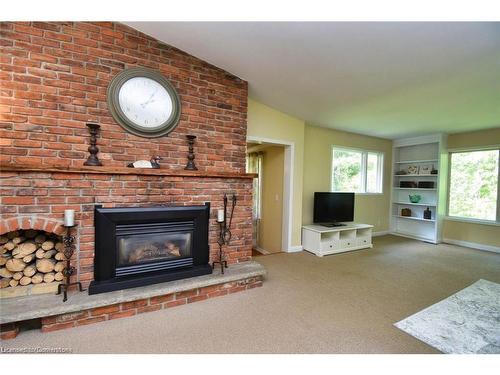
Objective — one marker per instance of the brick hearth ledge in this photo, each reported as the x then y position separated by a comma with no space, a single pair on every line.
41,306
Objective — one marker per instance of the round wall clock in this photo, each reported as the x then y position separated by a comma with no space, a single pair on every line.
143,102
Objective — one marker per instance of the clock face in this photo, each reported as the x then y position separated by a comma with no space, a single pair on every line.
143,102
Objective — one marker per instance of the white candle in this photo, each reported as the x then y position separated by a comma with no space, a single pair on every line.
220,216
69,218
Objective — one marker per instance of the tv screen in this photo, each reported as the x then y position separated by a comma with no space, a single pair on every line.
332,208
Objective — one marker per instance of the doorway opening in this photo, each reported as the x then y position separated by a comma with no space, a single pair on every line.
271,217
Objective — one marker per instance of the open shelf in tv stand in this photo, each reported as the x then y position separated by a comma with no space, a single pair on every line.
321,240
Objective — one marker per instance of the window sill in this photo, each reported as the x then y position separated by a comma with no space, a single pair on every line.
472,221
356,193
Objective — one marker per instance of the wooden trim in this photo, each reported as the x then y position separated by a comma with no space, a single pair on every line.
126,171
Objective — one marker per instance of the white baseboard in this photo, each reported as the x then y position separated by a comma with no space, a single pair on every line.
295,249
423,239
472,245
380,233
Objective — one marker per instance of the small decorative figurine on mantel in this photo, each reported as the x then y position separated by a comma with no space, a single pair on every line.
153,163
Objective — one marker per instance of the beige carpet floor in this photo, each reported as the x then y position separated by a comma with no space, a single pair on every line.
344,303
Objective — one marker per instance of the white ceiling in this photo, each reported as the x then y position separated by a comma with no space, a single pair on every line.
384,79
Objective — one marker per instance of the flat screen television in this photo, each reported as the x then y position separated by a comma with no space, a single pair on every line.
330,209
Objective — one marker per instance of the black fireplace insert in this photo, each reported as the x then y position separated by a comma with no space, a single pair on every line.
141,246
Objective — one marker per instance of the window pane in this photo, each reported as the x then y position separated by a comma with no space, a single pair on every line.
346,171
474,184
372,174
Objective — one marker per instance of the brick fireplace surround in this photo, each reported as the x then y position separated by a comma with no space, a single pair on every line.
53,80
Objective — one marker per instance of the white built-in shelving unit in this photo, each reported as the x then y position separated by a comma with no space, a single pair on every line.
419,151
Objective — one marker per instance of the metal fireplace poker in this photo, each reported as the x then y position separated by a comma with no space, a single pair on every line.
69,249
224,231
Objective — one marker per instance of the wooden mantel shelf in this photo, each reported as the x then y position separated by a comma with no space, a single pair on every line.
125,171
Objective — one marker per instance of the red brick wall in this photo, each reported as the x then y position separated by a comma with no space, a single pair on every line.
54,78
126,309
47,195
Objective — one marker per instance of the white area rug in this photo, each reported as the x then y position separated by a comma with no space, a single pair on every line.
466,322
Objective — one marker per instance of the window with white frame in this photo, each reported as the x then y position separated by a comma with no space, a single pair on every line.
354,170
474,179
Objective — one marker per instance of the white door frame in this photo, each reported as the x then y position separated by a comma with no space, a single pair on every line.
286,236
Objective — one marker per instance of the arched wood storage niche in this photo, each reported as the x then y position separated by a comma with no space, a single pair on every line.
32,259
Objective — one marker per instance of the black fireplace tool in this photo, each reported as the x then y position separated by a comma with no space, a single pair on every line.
224,233
69,270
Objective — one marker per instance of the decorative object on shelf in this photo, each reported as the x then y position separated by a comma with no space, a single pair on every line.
400,173
92,160
426,169
143,102
405,212
427,214
153,163
224,231
426,184
69,249
415,198
407,184
190,164
434,171
412,169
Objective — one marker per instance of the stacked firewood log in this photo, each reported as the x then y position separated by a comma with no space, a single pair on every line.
30,257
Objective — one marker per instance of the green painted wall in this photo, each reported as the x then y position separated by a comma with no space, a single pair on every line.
369,209
266,122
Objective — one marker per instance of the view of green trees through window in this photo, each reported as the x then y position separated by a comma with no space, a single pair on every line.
357,171
346,170
474,184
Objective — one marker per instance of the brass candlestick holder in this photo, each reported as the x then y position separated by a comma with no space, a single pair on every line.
190,164
69,270
92,160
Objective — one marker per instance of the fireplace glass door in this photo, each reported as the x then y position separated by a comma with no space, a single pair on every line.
136,249
138,246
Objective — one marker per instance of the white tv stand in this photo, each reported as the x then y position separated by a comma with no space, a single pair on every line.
321,240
